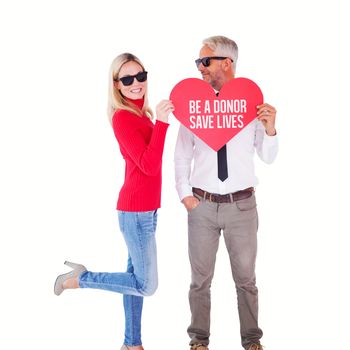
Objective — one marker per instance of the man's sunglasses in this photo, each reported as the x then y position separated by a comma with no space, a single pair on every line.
129,79
206,60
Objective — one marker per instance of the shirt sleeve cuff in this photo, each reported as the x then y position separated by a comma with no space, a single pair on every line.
271,139
184,191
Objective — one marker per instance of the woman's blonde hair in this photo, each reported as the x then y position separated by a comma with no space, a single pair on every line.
116,101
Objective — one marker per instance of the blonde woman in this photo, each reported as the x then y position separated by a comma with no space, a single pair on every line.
141,144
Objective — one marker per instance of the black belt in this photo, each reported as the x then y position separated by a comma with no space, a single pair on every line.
224,198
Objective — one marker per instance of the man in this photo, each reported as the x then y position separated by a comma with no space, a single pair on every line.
219,197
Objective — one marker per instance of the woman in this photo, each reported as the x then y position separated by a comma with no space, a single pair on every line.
141,144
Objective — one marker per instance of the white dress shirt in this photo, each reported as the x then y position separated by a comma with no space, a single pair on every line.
191,150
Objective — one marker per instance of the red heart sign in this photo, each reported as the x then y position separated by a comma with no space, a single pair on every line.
216,119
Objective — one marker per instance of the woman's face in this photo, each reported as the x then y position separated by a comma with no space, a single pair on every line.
137,89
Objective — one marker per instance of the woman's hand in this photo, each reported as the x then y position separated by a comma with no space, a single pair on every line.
163,109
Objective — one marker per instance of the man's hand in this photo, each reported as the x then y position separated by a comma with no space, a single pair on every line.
267,115
190,202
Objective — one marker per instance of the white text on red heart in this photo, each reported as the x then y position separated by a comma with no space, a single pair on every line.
210,121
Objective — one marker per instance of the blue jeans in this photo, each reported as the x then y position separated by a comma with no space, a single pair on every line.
141,277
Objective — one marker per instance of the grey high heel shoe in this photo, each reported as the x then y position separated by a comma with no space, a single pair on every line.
124,347
77,271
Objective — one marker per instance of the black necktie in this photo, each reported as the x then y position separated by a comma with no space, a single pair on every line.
222,161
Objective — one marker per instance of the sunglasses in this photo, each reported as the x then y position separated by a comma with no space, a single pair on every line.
129,79
206,60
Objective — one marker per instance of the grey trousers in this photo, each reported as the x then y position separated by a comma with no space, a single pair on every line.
238,221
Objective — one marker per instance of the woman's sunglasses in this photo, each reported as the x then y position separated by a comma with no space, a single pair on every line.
129,79
206,60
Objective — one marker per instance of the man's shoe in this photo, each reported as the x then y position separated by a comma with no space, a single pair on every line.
199,347
255,347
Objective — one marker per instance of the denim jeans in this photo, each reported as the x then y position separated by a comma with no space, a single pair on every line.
141,277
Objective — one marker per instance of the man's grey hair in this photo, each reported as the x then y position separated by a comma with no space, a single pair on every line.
223,46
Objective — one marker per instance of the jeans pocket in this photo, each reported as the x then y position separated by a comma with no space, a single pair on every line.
196,207
147,222
246,204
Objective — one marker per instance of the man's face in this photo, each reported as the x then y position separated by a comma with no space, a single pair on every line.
214,73
219,70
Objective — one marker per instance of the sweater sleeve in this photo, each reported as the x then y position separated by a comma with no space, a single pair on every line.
147,157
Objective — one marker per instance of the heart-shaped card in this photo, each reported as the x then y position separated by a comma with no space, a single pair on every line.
216,119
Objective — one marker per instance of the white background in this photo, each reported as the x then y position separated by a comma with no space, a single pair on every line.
61,169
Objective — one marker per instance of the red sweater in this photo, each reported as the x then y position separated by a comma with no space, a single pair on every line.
141,144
